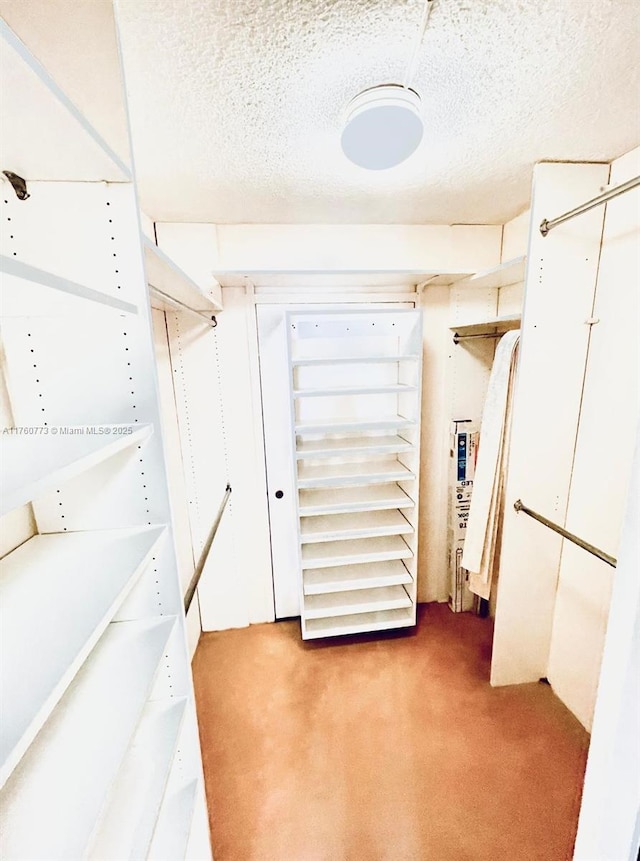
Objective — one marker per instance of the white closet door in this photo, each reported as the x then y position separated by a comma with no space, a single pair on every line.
279,446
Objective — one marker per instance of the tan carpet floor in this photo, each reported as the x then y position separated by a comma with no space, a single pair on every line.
388,747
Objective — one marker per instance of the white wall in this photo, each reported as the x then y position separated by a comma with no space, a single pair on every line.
603,454
574,420
236,587
175,473
609,824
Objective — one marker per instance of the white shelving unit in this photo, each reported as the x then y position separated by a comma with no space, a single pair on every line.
355,402
99,735
169,279
509,272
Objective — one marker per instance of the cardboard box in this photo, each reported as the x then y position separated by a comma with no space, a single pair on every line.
463,454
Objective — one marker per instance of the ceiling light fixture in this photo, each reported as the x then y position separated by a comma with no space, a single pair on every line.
383,124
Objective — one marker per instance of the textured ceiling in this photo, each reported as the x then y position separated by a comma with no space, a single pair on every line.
236,105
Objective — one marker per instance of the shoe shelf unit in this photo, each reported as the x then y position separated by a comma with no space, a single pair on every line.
355,384
99,752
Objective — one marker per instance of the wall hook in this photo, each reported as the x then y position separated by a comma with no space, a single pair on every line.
18,184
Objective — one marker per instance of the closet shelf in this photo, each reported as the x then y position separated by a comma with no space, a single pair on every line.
359,623
31,292
166,276
34,464
333,553
63,780
87,575
71,148
364,524
343,500
489,326
353,360
126,829
346,578
340,391
338,425
173,828
361,601
509,272
365,472
351,445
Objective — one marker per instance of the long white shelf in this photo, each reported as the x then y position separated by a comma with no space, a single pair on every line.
509,272
354,425
352,360
363,524
361,601
346,499
34,464
126,829
339,391
52,802
490,325
173,828
170,279
351,445
71,148
85,576
366,472
333,553
31,292
359,623
346,578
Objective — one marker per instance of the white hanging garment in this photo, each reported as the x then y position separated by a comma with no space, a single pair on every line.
485,516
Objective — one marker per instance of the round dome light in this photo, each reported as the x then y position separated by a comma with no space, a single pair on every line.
383,126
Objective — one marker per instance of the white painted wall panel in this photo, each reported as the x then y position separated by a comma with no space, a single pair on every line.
217,413
561,279
604,452
515,236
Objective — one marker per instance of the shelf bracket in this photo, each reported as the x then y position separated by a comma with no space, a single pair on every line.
18,184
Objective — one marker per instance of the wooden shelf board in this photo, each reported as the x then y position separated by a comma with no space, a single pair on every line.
86,576
173,828
342,500
351,425
351,445
166,276
347,578
372,600
491,325
35,464
71,149
509,272
358,623
31,292
352,360
363,524
127,827
341,391
333,553
366,472
63,780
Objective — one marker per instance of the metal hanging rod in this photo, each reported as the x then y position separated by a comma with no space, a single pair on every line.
546,225
610,560
193,584
457,338
201,315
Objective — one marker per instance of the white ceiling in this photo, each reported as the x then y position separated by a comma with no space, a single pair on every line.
236,105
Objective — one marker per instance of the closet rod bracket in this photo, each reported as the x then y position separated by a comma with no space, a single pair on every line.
18,184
